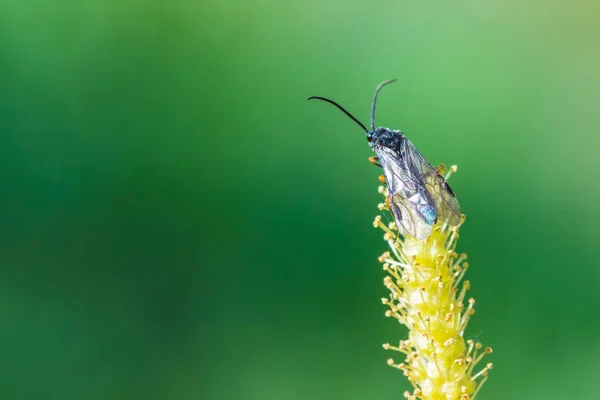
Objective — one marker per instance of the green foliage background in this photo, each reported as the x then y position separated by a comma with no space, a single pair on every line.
177,222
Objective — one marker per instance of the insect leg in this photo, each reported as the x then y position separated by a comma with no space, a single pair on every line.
375,161
382,179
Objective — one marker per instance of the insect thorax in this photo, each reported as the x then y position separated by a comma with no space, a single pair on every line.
386,137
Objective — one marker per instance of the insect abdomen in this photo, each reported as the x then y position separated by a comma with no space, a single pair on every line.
428,212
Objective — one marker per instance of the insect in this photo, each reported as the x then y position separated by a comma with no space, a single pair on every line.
418,195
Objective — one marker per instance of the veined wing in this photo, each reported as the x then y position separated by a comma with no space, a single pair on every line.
408,219
411,204
445,201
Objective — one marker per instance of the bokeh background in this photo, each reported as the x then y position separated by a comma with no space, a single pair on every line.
178,222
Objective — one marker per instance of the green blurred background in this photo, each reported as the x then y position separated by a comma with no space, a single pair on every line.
178,222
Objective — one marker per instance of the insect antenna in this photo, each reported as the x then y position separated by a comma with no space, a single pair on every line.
343,110
382,84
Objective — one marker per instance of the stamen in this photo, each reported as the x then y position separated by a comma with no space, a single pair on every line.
483,371
453,169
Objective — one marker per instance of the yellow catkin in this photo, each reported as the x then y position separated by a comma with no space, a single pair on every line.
428,296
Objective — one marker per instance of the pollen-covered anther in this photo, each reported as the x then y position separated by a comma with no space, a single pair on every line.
392,313
381,206
384,257
449,342
489,350
377,221
391,286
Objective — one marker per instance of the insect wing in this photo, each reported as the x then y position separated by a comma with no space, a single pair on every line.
409,221
407,195
445,201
